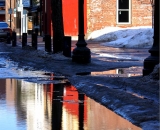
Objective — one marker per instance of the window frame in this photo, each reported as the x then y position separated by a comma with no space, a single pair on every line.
117,15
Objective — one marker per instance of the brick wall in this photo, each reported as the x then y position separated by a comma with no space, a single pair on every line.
7,16
102,13
141,13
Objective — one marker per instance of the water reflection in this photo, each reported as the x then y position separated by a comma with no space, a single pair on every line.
31,106
120,72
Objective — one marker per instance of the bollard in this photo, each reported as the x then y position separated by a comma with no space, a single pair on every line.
24,39
67,46
8,38
34,41
48,43
14,39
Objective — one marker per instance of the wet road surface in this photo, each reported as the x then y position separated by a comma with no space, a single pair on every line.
106,53
32,106
113,54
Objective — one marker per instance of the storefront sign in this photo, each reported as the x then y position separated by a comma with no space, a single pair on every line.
10,11
20,8
26,3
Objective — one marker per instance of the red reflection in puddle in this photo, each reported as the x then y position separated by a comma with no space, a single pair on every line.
31,105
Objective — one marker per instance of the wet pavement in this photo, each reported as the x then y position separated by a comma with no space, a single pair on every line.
113,78
103,52
34,106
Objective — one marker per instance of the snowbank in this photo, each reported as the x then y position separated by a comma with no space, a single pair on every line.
134,37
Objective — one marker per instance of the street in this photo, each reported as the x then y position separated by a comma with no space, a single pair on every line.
53,106
129,95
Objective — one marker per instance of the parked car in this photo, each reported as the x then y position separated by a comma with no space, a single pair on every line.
4,29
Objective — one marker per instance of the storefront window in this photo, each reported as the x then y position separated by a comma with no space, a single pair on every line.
2,10
30,23
2,3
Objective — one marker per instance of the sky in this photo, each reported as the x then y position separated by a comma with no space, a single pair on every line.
133,37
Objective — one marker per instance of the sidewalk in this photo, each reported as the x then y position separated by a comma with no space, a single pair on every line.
95,47
29,41
134,98
40,42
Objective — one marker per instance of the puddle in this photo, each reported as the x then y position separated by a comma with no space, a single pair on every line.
34,106
120,72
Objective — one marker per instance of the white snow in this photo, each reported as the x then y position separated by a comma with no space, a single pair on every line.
133,37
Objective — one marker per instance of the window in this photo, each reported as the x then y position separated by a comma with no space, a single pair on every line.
2,3
123,11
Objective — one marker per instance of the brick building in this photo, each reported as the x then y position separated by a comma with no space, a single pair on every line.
97,15
5,5
122,13
101,13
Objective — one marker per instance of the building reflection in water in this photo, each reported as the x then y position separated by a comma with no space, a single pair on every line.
124,72
32,106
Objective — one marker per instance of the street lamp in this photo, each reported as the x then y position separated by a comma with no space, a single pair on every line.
81,54
10,15
153,59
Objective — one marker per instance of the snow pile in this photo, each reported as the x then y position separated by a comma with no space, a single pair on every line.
134,37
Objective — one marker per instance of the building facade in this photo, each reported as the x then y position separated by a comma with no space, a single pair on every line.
6,12
97,15
2,10
121,13
101,13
